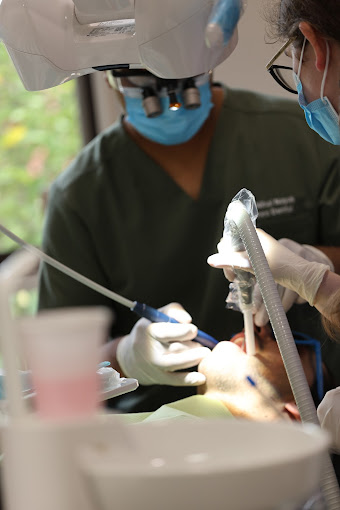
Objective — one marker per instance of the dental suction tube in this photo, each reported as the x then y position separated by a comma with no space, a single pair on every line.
238,214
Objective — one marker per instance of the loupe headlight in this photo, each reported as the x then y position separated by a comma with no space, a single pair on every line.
174,104
152,88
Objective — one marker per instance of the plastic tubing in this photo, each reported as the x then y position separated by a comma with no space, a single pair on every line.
303,398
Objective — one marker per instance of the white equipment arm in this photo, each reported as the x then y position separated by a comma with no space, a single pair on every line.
53,42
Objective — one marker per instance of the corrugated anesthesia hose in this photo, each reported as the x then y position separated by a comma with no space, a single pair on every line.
291,359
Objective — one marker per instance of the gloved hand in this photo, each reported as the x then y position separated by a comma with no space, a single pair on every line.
298,269
152,352
329,416
297,288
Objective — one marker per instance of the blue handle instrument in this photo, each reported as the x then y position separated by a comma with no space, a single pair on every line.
155,315
139,308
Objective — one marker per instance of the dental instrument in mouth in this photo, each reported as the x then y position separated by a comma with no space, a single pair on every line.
141,309
244,282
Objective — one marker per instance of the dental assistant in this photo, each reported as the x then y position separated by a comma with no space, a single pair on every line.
312,32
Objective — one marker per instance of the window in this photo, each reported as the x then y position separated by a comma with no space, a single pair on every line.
40,135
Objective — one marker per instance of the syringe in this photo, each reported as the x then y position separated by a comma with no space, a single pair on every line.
140,309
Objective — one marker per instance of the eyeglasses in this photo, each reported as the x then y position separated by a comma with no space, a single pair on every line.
283,75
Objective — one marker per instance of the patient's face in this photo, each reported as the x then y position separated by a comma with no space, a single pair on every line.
227,367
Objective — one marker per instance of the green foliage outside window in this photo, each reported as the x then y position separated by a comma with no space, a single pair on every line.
39,136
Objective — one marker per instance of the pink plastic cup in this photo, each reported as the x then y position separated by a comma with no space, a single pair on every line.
62,349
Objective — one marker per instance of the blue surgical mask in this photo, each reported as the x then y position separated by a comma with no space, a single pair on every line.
170,127
320,114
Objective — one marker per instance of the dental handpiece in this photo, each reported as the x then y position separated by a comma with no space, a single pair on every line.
140,309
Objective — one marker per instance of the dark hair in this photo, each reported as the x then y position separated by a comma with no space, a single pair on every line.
285,16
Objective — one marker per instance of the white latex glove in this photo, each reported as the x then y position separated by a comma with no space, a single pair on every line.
298,269
329,416
152,352
291,290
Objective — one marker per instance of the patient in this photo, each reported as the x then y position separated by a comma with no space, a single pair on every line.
227,367
227,393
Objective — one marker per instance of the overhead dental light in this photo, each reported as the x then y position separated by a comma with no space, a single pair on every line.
65,39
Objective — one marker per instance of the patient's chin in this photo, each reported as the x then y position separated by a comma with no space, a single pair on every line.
256,414
248,408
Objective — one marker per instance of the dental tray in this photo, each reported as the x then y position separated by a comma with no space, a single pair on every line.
113,386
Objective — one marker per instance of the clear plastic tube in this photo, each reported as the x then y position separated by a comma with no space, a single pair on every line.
303,398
